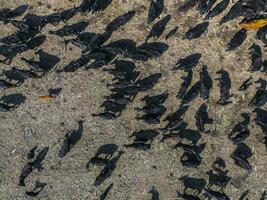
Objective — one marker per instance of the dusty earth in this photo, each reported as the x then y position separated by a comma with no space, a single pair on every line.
45,123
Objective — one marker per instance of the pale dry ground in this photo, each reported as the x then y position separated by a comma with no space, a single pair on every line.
45,124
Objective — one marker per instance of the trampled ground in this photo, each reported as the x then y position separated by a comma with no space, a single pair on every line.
46,123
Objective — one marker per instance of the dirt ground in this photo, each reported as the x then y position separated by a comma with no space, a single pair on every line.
45,123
